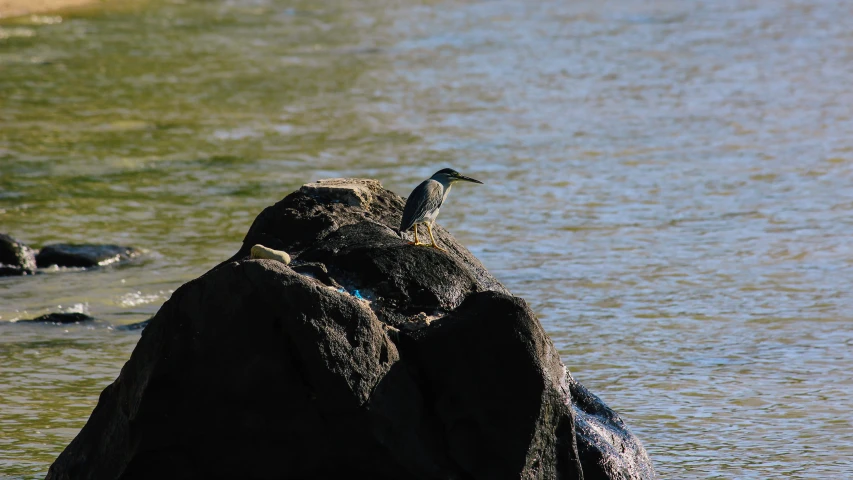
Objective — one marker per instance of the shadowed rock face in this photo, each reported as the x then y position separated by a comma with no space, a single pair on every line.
365,358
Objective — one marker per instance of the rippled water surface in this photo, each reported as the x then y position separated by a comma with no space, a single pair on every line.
669,184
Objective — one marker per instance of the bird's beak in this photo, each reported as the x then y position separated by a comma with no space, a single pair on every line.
468,179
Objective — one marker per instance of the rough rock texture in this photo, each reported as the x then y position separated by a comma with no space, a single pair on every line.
59,318
365,358
15,257
85,255
606,446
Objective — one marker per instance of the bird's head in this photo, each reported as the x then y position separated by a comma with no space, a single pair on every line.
449,176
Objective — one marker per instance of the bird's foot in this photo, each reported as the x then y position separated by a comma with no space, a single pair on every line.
438,248
419,244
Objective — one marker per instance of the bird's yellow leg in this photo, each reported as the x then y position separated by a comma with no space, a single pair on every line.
416,242
434,244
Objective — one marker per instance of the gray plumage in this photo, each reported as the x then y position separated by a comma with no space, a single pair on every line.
422,204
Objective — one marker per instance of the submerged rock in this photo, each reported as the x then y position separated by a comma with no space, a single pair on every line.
134,326
366,358
59,318
84,255
15,257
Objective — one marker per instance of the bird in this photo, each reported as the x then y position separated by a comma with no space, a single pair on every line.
426,199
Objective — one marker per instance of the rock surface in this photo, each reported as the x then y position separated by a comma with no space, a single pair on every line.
365,358
84,255
15,257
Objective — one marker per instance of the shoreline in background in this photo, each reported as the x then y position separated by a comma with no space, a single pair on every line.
18,8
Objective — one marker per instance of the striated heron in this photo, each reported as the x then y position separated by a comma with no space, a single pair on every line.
426,199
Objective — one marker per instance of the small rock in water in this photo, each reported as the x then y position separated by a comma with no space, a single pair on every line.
59,318
84,255
15,257
134,326
260,251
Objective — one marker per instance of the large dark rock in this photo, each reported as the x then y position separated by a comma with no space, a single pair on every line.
83,255
15,257
264,371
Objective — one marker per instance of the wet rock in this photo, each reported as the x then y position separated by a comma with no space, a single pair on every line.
259,370
83,255
607,448
59,318
15,257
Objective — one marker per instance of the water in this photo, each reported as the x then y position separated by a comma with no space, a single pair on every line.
669,184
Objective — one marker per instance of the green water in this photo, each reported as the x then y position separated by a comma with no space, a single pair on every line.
670,186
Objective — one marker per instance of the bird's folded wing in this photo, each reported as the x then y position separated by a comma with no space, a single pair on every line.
425,198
